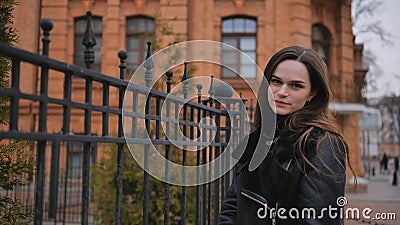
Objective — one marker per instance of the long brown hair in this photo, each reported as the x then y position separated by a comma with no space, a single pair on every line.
315,113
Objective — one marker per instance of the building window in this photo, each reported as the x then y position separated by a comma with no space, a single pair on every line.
79,49
75,158
391,151
391,138
138,31
321,41
240,33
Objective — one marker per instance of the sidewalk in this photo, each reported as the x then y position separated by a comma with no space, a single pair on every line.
381,197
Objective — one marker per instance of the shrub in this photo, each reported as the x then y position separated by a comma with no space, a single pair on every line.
103,184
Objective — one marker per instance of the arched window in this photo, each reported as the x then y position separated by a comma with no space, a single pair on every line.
79,32
138,31
240,33
321,39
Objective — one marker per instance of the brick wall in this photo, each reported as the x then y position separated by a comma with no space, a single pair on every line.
279,23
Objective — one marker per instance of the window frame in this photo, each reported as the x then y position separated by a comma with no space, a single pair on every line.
238,35
141,48
325,42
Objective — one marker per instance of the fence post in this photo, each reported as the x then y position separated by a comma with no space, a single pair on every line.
251,110
88,41
122,55
46,25
148,64
54,174
228,126
217,167
211,93
242,116
198,155
185,91
14,107
169,75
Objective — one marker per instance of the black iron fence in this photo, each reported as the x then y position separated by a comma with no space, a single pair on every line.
60,191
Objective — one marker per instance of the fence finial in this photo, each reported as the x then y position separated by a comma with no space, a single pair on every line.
199,88
251,109
47,25
148,64
122,55
89,41
211,89
185,80
243,100
169,75
148,53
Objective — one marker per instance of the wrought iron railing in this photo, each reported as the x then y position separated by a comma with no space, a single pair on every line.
60,189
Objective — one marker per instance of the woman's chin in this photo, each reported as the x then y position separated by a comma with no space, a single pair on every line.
281,112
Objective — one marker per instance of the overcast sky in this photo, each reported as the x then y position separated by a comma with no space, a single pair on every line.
388,57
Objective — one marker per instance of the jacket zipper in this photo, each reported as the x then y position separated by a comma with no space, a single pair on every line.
261,200
274,214
287,167
276,205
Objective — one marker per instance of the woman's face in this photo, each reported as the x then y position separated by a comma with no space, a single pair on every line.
291,87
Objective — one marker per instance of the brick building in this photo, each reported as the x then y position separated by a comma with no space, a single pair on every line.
257,27
388,135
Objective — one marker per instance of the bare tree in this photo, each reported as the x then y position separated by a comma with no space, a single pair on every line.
366,23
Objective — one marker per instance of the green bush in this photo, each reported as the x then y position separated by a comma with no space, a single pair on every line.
15,162
103,185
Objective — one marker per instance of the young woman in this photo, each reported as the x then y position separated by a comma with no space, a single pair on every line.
303,175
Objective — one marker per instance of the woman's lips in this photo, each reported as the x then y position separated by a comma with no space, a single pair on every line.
280,103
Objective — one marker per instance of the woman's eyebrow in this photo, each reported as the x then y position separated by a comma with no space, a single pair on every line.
274,76
292,81
297,81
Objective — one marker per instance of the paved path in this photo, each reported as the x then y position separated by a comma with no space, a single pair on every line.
381,197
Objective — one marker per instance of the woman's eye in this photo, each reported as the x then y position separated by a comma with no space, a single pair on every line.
275,81
297,86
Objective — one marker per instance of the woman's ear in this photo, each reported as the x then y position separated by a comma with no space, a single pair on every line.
312,95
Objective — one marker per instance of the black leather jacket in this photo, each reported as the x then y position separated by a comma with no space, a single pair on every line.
286,183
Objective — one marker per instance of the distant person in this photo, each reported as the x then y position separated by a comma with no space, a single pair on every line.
396,168
373,166
385,162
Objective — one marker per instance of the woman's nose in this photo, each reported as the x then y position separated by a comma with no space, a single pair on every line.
283,90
